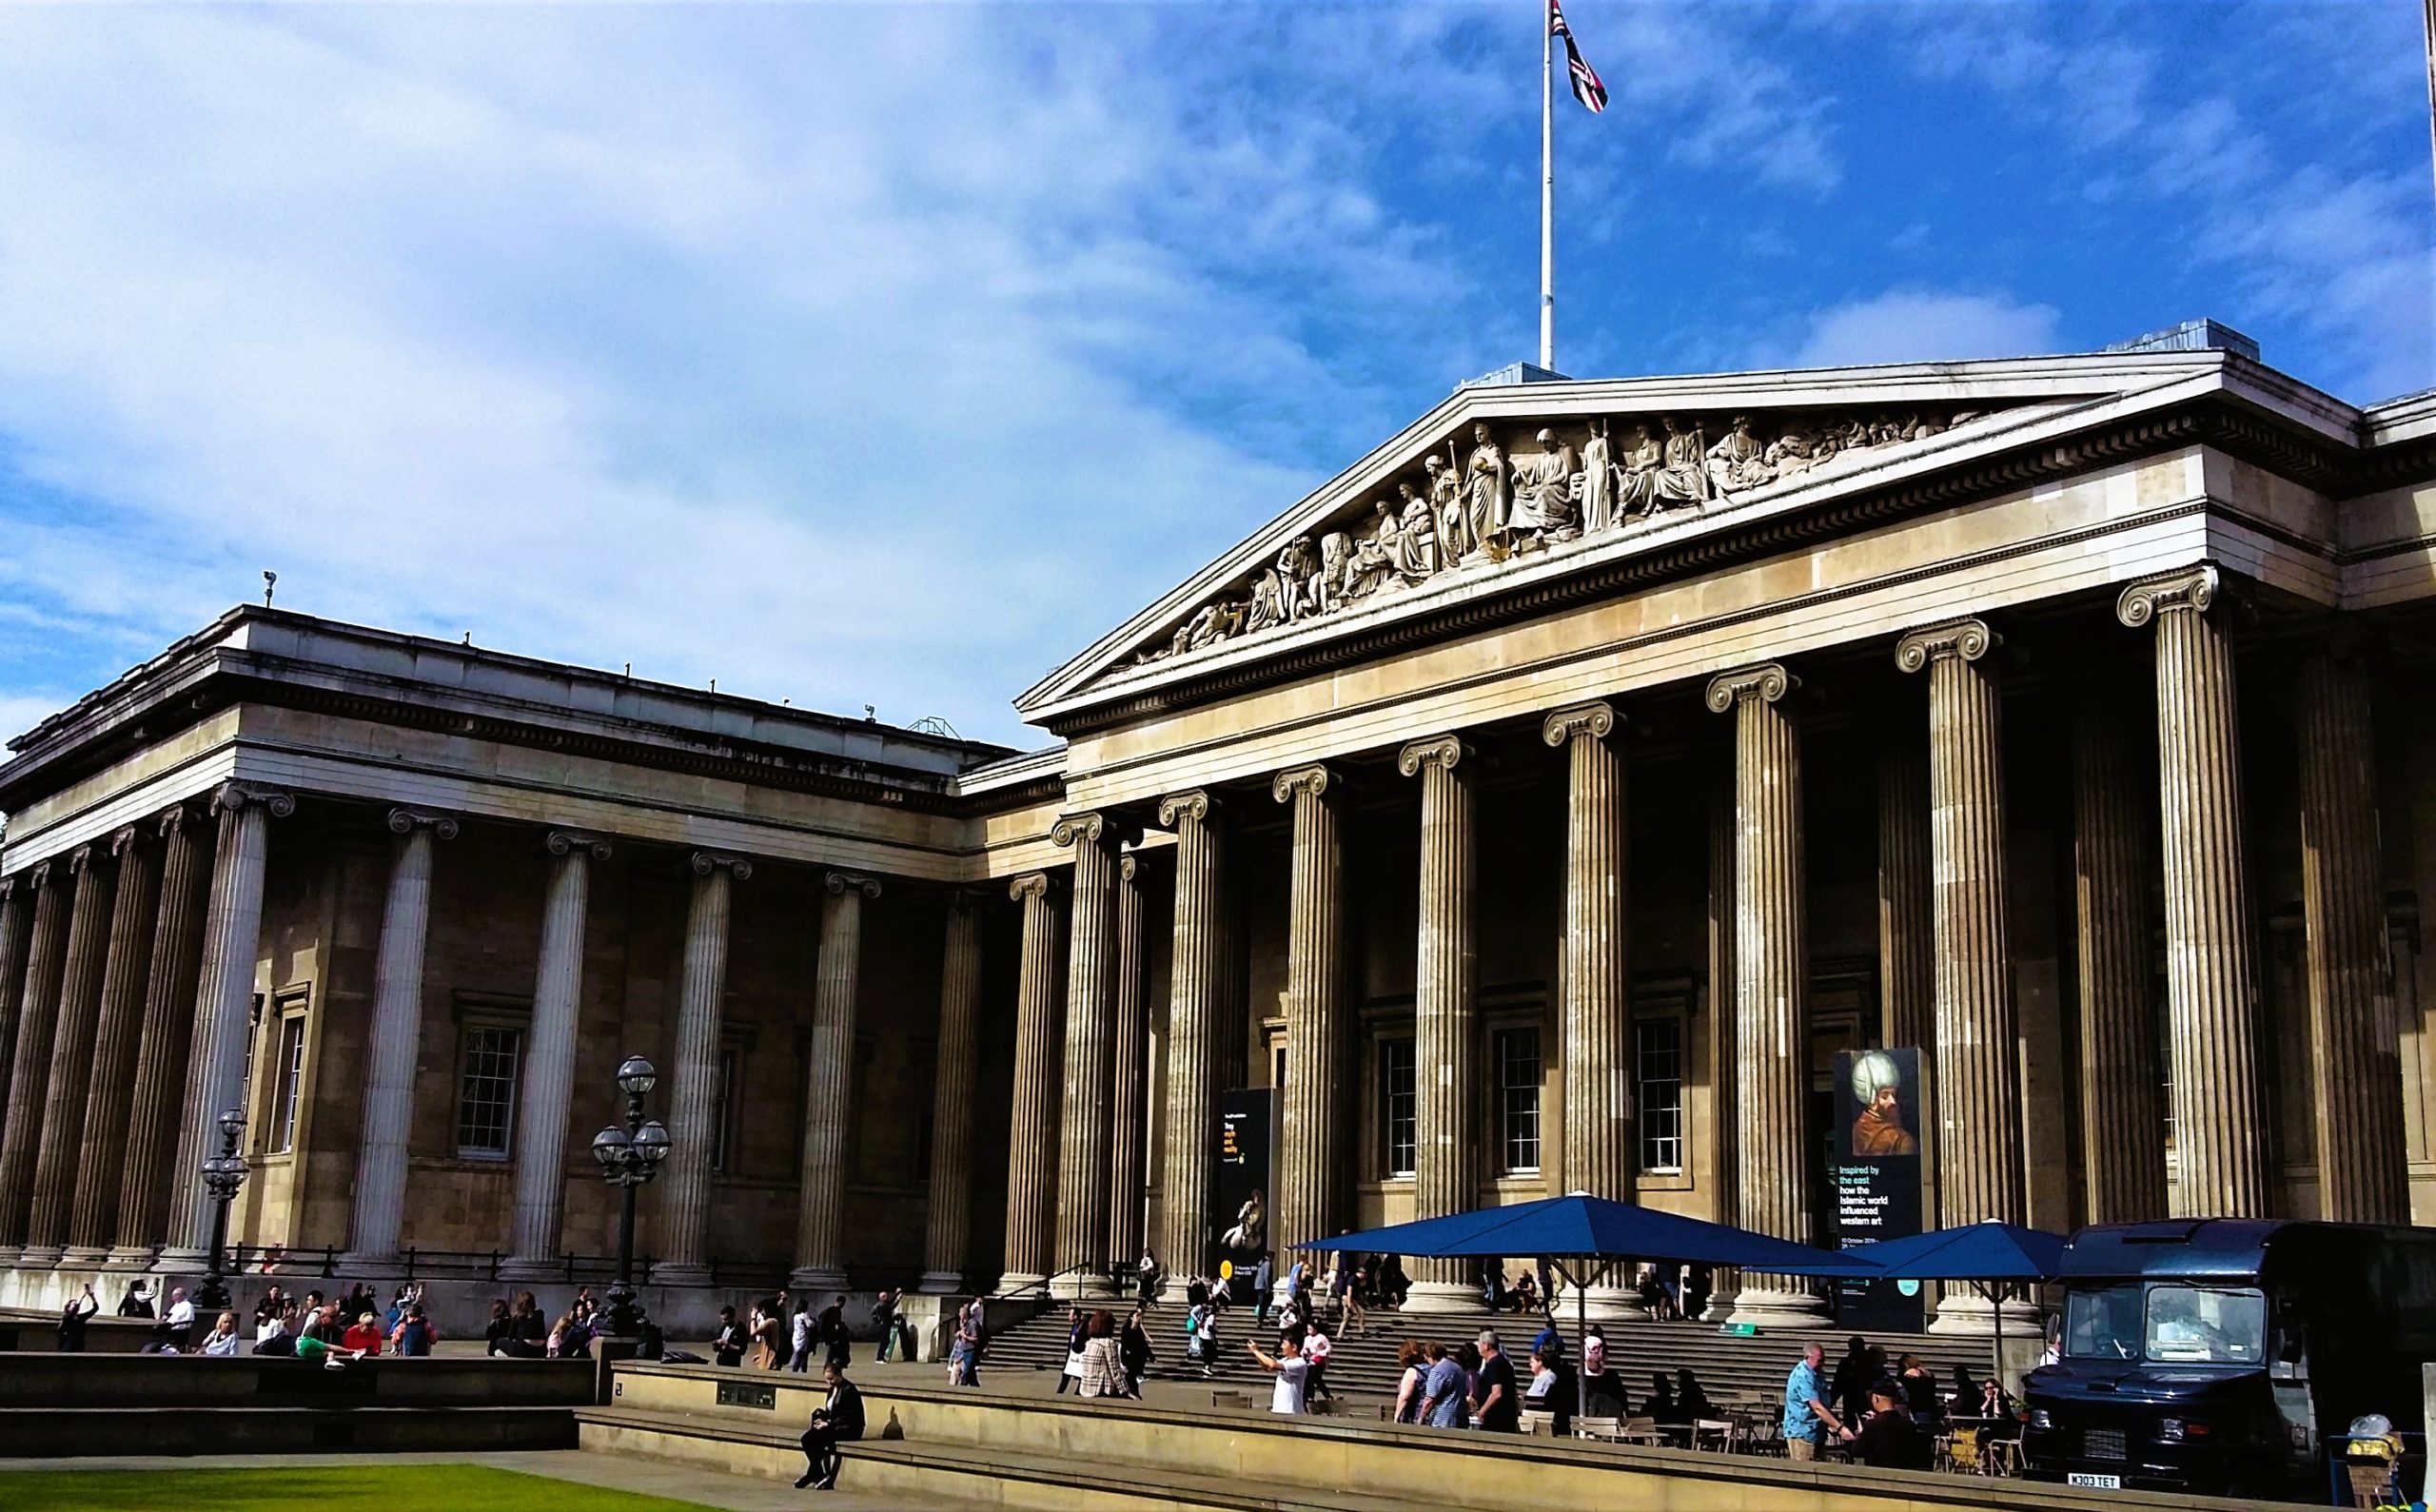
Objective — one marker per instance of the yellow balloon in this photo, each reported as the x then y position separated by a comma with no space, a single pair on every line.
1225,1270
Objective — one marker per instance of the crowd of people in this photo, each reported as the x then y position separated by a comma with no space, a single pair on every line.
1887,1413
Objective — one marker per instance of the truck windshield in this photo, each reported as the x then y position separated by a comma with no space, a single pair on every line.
2168,1322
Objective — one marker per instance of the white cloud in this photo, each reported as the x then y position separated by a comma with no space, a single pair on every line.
21,712
1919,326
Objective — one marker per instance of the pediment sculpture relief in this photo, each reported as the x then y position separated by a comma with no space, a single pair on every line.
1476,504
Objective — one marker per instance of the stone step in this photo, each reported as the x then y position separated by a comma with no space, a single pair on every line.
51,1432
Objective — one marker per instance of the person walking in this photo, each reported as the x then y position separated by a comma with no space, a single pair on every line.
1443,1404
1102,1358
1134,1345
837,1420
1495,1397
840,1343
1263,1277
73,1317
1317,1346
1807,1420
884,1318
964,1352
1146,1278
1077,1334
727,1345
1412,1380
1291,1371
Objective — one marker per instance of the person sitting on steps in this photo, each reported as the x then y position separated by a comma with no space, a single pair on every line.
837,1420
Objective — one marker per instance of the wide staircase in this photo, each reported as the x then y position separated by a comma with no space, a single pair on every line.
1736,1372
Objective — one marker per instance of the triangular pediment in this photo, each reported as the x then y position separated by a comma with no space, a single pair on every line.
1503,484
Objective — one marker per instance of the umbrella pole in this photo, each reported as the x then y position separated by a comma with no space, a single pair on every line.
1997,1316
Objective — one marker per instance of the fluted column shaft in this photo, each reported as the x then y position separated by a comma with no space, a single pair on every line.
949,1231
397,1040
1196,976
168,1033
1599,1153
1083,1197
71,1056
829,1084
2123,1124
1978,1057
1725,1137
38,1013
109,1088
1772,1020
1031,1148
16,931
2212,977
1906,909
2353,1036
1446,1147
223,1006
1309,1203
685,1218
1130,1125
548,1086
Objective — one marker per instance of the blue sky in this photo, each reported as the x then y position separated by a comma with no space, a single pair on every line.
892,354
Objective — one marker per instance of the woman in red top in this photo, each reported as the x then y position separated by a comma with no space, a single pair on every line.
362,1336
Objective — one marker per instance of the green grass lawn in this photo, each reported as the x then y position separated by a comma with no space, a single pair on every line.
310,1488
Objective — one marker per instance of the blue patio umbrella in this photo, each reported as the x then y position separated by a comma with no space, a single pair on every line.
1988,1255
1579,1226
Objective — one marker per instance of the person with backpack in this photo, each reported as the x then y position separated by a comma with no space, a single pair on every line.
414,1334
884,1318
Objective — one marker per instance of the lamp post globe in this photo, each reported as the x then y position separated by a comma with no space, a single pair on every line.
630,1155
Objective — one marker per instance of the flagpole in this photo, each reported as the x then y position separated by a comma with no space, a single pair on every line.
1548,193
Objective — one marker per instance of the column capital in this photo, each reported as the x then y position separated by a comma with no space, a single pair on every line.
1768,682
560,841
1128,866
1439,750
1314,779
172,819
1193,804
233,795
1966,639
1597,720
705,862
1091,827
37,876
1029,886
2194,587
406,821
123,838
837,884
83,856
965,899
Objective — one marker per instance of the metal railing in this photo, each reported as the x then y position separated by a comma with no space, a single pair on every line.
483,1264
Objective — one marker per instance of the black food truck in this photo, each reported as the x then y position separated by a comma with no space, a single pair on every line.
2215,1354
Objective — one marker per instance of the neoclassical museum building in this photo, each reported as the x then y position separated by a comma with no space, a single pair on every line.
1544,804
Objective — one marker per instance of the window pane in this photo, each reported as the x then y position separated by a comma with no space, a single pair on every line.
292,1082
487,1097
1657,1069
1517,1081
1396,1100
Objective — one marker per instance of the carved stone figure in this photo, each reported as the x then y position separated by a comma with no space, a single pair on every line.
1216,621
1297,569
1267,606
1372,566
1684,479
1544,486
1636,474
1455,541
1417,541
1486,502
1598,509
1792,453
1738,461
1336,555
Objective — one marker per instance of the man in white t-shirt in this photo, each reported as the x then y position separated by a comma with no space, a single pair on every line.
1291,1370
178,1323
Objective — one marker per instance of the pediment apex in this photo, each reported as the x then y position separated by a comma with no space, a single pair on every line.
1808,431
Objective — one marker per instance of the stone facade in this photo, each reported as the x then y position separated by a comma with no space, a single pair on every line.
2056,721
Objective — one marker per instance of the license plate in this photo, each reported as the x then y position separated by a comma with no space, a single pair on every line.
2101,1482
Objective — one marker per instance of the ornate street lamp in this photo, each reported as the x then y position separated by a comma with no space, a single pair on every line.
221,1175
630,1156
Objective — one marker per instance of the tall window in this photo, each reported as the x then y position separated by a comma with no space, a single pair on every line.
1518,1098
1658,1092
486,1090
289,1093
1396,1105
723,1107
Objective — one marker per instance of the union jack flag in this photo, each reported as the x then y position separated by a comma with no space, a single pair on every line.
1586,87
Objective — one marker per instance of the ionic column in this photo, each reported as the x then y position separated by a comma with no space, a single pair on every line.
1196,978
1979,1055
1907,960
2123,1120
168,1031
215,1073
548,1083
16,929
1090,967
72,1052
37,1015
1445,1013
829,1085
93,1206
682,1227
1031,1147
2353,1035
1772,1019
397,1041
2212,978
948,1234
1308,1201
1129,1138
1725,1137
